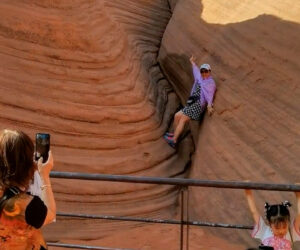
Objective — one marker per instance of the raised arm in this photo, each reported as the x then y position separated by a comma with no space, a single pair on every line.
46,188
252,205
297,220
196,73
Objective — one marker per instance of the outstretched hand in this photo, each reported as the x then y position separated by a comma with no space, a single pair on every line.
193,59
210,110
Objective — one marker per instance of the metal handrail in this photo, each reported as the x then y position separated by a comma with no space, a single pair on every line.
65,245
166,181
177,181
150,220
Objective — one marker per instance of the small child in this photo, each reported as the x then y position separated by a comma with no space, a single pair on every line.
277,233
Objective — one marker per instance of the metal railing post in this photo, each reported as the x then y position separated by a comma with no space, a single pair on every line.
184,220
181,217
187,218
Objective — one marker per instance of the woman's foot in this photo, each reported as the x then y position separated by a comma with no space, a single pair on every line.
170,140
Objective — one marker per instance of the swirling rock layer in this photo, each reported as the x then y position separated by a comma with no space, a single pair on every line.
86,72
253,48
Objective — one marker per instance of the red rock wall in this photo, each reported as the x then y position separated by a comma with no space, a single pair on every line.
86,72
253,49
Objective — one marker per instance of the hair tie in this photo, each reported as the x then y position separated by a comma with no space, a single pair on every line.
267,206
286,204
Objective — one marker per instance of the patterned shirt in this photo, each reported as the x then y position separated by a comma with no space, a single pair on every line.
264,233
20,220
208,87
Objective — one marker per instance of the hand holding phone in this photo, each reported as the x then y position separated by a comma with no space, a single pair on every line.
45,168
42,146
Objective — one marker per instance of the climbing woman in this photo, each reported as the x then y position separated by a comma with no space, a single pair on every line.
201,97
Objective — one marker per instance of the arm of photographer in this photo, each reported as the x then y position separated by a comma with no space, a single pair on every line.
46,188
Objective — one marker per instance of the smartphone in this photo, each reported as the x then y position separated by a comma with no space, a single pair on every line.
42,146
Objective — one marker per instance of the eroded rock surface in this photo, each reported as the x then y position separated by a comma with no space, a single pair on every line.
87,72
253,48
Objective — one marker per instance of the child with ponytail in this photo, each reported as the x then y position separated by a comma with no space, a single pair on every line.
278,232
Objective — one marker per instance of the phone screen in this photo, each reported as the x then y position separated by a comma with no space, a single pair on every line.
42,146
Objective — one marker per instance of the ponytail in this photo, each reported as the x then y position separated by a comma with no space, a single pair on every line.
286,204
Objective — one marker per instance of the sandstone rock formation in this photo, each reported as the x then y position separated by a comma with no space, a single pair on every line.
253,48
97,74
86,72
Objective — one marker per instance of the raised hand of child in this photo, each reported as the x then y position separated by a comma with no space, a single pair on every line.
297,219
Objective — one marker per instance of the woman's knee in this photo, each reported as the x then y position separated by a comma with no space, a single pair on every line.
184,118
178,115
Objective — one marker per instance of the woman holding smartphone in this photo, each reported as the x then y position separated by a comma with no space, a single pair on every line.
22,214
